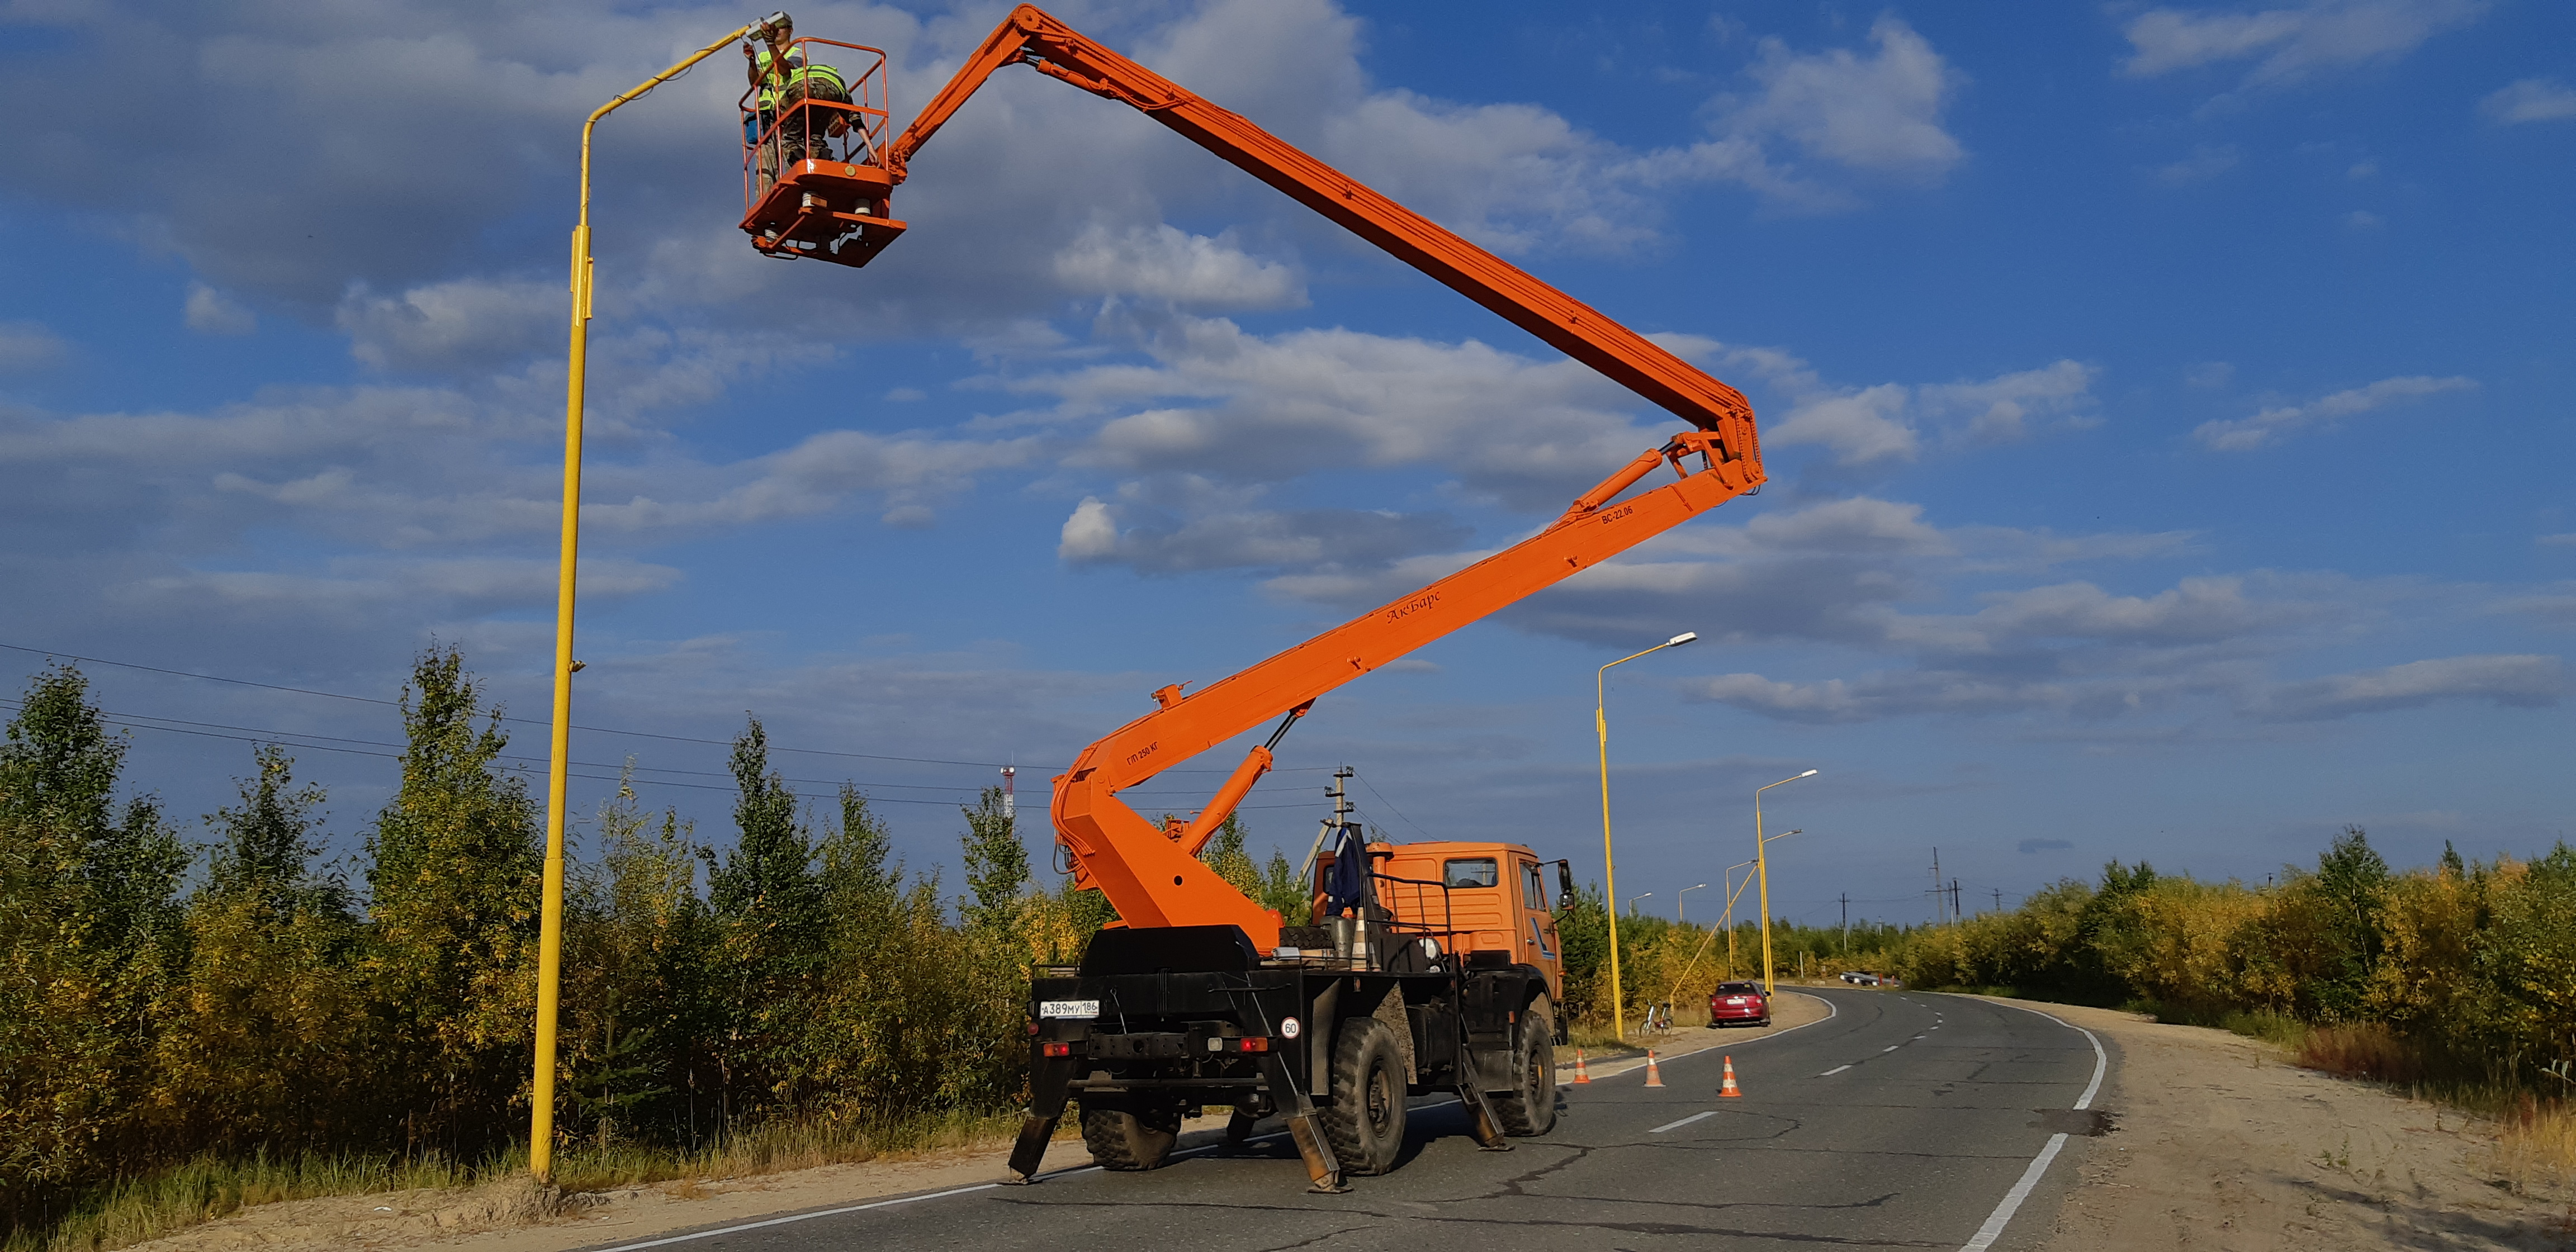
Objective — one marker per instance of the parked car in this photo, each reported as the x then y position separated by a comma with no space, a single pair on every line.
1738,1003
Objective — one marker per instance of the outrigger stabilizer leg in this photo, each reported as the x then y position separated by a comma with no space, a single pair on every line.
1049,1085
1480,1111
1323,1172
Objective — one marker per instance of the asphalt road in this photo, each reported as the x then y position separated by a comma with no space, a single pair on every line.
1905,1120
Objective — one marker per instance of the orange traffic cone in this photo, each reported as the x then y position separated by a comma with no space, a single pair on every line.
1654,1076
1728,1089
1580,1075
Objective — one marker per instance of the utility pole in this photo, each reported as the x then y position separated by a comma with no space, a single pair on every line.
1938,905
1999,899
1846,924
1341,797
1954,900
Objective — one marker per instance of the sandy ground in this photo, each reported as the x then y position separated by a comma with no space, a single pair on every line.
517,1218
2218,1143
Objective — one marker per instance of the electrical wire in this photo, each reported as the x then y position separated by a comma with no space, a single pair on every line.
602,730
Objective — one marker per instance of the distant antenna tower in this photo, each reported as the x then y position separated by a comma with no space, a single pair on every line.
1010,801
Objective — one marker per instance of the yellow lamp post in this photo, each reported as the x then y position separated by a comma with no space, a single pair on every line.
541,1125
1609,861
1762,870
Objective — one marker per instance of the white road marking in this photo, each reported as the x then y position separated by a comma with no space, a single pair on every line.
1683,1122
1835,1070
2101,1059
2003,1214
1891,1047
801,1217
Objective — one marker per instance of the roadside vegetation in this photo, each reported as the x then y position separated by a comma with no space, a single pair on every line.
188,1029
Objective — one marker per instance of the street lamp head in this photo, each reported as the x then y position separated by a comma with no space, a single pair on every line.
1682,638
1808,774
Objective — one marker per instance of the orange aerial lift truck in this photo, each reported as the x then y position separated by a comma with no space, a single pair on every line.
1436,964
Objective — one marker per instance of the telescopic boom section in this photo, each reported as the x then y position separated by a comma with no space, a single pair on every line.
1151,873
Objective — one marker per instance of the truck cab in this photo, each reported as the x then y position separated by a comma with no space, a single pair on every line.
1473,898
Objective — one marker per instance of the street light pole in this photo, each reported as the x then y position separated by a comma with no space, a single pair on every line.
1762,870
541,1123
1632,900
1681,902
1609,861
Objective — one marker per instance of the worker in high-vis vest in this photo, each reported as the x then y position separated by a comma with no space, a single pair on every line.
805,121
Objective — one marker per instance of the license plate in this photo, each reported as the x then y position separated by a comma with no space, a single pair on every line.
1083,1010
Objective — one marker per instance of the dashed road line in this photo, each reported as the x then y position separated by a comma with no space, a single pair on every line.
1683,1122
1835,1070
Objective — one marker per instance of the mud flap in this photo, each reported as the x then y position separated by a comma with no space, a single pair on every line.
1050,1083
1323,1171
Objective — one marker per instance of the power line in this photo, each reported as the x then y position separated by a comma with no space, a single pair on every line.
291,739
1390,805
602,730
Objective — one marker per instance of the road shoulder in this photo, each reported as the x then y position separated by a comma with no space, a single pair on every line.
2215,1141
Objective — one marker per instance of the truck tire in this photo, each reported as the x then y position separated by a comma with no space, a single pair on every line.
1529,1108
1364,1118
1125,1136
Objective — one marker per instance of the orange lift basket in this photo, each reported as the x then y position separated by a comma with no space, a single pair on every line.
800,198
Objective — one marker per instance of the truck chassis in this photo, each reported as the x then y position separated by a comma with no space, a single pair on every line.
1155,1024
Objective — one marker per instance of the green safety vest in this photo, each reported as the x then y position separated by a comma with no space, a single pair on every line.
769,87
818,73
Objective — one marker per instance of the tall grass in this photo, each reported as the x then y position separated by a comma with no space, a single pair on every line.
207,1188
148,1206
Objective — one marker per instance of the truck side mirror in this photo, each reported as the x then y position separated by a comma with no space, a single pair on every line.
1564,882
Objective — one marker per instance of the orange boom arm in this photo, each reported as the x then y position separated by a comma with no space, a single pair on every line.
1152,874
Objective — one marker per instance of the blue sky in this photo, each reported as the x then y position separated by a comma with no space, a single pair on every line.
2166,408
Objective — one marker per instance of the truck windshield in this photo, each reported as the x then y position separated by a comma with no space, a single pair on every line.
1471,872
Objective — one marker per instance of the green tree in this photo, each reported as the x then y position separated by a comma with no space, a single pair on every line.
997,868
637,953
768,908
270,1050
91,948
452,894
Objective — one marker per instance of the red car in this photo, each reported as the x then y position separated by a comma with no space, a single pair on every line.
1738,1003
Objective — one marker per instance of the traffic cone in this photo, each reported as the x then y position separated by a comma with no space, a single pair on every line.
1581,1076
1654,1076
1728,1089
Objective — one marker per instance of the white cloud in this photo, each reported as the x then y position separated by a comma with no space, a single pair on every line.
29,346
469,323
2514,681
2530,100
2294,42
2272,424
1190,524
2206,162
1880,113
1890,421
1164,263
1878,116
211,312
2363,219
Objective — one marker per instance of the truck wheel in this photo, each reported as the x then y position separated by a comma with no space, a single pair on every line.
1529,1108
1364,1119
1124,1137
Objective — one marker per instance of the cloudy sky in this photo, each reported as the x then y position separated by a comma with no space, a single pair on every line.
2167,412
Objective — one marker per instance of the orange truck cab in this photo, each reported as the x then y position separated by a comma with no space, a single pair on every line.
1472,899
